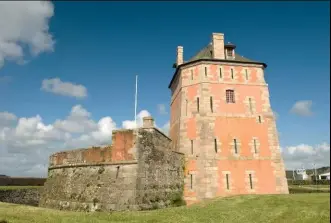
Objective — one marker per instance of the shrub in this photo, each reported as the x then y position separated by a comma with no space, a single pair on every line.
308,182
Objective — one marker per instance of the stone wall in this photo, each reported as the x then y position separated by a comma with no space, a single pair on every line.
28,196
160,172
131,174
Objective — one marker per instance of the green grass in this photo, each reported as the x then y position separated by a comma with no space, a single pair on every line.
17,187
298,208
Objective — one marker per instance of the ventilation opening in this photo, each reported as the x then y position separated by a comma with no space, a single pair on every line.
198,104
191,181
232,76
260,119
215,145
255,147
205,71
250,181
221,74
192,147
211,104
227,181
235,146
246,74
191,74
117,171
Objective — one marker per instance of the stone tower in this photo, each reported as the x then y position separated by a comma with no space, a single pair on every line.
221,119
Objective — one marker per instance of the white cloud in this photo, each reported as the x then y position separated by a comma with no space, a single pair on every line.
56,86
131,124
306,155
27,142
162,109
302,108
24,24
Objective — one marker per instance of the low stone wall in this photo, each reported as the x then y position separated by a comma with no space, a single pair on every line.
137,172
27,196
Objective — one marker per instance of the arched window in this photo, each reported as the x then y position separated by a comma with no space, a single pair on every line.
230,96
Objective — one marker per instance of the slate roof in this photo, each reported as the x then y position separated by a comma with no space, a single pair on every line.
207,52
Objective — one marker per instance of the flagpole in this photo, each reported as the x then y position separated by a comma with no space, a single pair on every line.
135,102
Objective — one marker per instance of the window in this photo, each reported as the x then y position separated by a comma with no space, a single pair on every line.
221,74
260,119
192,147
246,74
206,71
229,96
250,181
232,74
229,52
250,105
254,144
191,74
191,181
235,146
215,145
198,104
227,181
211,104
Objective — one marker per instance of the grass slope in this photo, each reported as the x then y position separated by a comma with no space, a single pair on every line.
253,208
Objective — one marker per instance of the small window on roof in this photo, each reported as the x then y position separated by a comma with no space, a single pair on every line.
229,52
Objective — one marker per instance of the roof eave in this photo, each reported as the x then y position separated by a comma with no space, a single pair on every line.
212,60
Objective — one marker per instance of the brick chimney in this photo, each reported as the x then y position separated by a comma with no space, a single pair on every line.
148,122
180,57
218,46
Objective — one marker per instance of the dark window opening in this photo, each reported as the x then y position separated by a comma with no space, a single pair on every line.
191,181
192,147
198,104
246,74
255,147
227,181
221,75
250,105
215,145
230,53
250,181
260,120
211,104
117,171
230,96
206,71
191,74
232,73
235,146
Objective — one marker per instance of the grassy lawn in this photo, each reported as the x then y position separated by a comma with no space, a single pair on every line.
244,209
17,187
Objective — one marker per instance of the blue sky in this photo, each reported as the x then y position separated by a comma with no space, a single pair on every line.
103,45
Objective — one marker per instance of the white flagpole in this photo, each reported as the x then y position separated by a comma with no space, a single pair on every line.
135,102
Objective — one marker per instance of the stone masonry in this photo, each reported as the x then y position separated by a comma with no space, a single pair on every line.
137,172
231,147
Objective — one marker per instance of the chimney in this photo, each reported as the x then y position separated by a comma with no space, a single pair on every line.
148,122
218,46
180,58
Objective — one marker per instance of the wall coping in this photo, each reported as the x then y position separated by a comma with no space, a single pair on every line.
93,164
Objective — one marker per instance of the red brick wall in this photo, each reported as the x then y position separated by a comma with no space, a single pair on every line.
120,150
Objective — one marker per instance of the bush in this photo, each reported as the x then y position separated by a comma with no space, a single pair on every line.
308,182
306,190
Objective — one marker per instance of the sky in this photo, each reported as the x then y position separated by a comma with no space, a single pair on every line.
67,71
